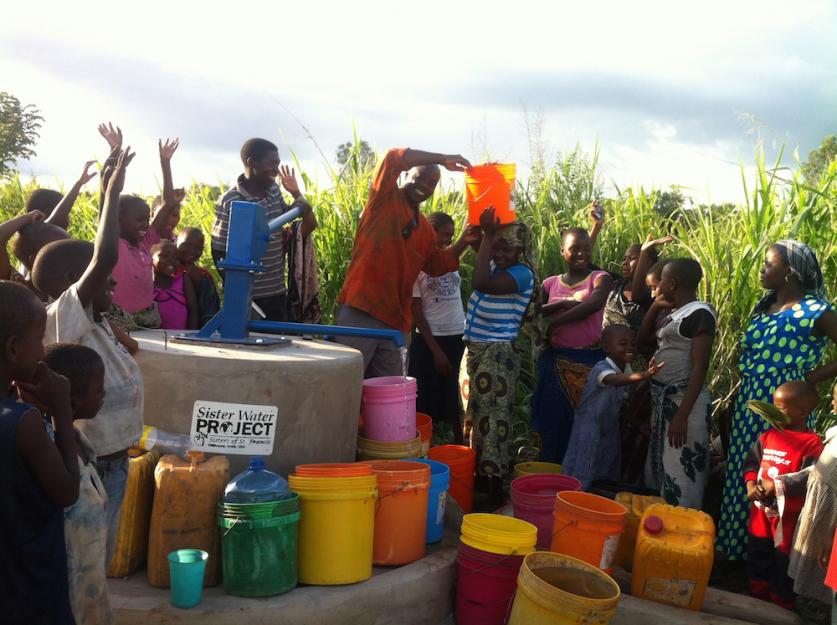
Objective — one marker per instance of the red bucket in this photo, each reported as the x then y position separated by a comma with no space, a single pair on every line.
533,500
485,586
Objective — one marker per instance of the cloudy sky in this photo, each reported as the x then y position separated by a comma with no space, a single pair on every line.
674,94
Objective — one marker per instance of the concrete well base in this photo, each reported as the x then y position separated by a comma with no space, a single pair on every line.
420,593
315,384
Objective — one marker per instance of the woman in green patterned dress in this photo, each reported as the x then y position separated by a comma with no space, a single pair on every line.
788,332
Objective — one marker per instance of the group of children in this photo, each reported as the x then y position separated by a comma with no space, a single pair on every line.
72,409
73,400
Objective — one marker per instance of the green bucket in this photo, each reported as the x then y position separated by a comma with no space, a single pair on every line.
259,553
264,510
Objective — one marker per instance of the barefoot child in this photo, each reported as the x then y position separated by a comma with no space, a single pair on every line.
503,284
85,522
38,477
574,306
190,244
77,275
436,347
774,510
173,291
134,292
593,452
678,454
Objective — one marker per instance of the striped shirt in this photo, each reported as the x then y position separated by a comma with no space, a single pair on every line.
495,318
272,280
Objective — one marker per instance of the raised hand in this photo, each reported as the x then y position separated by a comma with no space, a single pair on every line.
47,390
112,135
117,179
287,177
455,162
86,174
168,148
597,212
489,222
651,242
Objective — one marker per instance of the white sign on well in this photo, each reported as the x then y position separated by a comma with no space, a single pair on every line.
223,428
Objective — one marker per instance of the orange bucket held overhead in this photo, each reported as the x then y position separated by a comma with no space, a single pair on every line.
487,185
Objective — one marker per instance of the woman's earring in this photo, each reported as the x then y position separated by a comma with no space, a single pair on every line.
787,278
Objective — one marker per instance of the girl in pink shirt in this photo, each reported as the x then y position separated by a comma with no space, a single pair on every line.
573,304
138,233
174,294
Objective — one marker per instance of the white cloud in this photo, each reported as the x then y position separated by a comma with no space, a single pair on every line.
659,83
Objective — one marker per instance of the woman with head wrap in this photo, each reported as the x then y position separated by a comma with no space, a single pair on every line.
503,283
789,330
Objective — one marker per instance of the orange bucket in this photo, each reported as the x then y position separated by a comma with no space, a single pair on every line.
587,527
336,469
462,462
401,511
424,425
487,185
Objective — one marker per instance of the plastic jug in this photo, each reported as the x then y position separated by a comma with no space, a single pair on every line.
673,558
165,442
487,185
636,506
186,497
135,516
256,485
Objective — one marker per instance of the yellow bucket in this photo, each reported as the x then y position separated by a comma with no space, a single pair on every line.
336,528
367,449
553,589
497,533
530,468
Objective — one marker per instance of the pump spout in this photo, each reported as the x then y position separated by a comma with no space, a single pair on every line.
278,327
285,218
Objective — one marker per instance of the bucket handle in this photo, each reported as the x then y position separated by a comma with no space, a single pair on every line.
563,527
231,527
398,489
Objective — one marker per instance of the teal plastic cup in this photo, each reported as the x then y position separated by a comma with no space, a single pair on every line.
187,567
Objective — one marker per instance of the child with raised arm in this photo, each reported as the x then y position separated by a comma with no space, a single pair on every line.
173,291
134,293
77,276
775,503
85,522
38,477
593,452
678,454
190,244
7,230
573,304
56,207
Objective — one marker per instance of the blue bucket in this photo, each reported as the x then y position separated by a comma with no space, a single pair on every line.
439,480
187,567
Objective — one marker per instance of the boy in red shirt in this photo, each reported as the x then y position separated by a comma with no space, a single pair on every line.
776,504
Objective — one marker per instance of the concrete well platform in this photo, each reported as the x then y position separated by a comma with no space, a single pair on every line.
316,386
420,593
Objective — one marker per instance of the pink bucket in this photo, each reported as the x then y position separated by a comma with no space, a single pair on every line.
389,409
533,500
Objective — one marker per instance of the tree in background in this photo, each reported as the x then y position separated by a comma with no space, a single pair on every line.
819,159
356,155
19,126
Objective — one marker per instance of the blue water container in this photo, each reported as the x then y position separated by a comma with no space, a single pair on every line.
256,485
439,481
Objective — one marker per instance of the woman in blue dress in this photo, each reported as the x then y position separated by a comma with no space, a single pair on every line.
789,330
